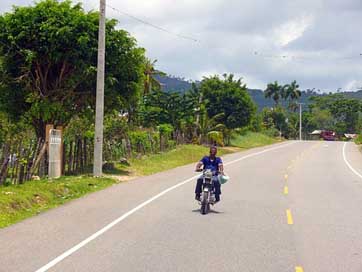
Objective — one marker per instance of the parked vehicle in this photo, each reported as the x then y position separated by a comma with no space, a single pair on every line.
328,135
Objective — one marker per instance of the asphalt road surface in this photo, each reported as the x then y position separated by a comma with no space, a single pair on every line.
294,206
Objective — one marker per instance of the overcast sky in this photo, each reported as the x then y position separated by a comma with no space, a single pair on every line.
316,42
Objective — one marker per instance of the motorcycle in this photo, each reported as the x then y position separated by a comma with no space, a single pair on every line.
208,191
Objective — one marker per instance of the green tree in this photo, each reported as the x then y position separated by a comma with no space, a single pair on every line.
322,119
175,109
150,82
274,91
276,118
291,93
230,97
346,112
48,65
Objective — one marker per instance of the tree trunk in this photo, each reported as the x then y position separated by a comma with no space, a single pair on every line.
16,167
75,152
70,161
81,156
85,157
39,127
5,162
63,159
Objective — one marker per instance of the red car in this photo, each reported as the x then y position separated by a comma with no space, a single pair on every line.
328,135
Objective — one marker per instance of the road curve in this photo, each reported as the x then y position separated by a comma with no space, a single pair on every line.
294,206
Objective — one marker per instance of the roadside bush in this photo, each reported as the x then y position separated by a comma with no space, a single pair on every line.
358,140
165,132
141,141
271,132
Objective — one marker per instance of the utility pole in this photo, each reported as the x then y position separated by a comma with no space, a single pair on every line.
98,139
300,121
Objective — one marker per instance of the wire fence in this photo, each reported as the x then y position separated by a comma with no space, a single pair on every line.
21,161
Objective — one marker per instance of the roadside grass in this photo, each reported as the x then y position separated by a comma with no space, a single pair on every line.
252,140
18,202
358,140
151,164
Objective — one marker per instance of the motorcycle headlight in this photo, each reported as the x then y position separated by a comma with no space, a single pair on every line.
208,174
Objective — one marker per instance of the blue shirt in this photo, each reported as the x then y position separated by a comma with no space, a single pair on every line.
213,165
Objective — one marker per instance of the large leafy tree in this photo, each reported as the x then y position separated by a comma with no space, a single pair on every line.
48,64
228,96
167,108
346,112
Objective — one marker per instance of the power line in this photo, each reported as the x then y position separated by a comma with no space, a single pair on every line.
153,25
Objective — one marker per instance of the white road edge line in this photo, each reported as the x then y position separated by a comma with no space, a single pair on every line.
127,214
348,164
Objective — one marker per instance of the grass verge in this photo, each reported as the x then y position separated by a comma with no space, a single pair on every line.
151,164
251,140
18,202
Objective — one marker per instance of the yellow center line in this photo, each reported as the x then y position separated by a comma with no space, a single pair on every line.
286,190
286,176
299,269
289,217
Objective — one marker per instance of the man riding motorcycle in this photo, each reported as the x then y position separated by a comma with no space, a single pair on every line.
215,165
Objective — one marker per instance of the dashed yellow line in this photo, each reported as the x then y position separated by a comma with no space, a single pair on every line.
299,269
286,190
289,217
286,176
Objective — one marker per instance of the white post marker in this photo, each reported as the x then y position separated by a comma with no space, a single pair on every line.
55,163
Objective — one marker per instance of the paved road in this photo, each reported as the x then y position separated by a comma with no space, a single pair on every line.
294,206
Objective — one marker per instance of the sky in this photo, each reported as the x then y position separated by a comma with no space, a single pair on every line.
318,43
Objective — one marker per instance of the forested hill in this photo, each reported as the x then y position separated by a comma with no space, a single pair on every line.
175,84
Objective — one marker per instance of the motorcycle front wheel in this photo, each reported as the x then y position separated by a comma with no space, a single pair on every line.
205,206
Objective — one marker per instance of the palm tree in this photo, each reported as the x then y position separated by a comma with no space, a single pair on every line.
150,81
210,128
274,91
292,93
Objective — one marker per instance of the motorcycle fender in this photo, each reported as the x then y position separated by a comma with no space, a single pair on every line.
206,189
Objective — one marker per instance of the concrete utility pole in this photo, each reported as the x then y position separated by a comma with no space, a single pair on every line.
300,121
98,141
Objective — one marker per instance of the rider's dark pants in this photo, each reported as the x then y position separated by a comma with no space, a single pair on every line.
217,187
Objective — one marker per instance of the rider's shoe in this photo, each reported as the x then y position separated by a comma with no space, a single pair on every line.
197,197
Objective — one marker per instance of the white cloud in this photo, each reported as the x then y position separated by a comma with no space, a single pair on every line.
353,85
293,29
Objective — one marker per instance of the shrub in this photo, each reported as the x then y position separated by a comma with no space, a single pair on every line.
216,137
358,140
